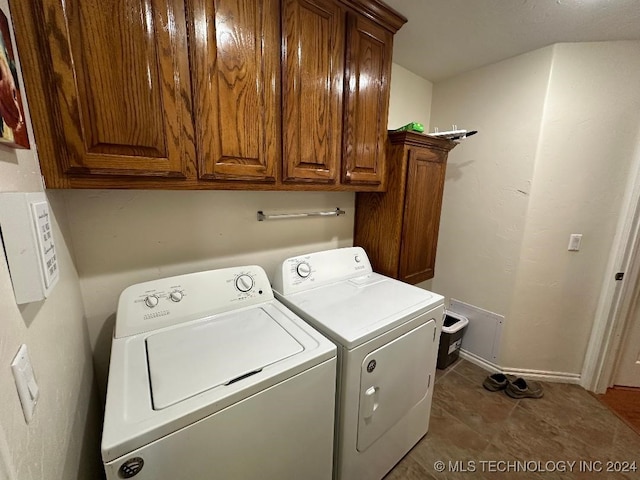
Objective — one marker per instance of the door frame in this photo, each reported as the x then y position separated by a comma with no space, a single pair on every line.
617,298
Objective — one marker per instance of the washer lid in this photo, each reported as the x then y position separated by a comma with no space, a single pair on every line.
189,360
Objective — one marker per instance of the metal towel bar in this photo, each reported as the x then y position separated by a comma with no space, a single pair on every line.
277,216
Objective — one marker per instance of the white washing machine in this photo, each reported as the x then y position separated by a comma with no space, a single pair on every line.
211,377
387,333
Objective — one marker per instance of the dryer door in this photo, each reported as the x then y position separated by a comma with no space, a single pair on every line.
393,379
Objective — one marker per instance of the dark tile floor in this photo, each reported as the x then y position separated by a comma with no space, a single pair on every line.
473,429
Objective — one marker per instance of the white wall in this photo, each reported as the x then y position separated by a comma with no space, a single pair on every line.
61,442
409,99
556,138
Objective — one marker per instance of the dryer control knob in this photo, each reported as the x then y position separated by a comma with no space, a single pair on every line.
303,269
151,301
244,283
176,296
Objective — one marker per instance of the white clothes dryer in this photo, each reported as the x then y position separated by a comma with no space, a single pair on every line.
387,333
211,377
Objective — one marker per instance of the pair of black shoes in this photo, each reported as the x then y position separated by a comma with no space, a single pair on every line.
514,387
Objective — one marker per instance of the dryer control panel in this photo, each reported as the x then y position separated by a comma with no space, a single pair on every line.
169,301
297,274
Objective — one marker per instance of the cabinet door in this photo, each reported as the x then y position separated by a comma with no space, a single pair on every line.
368,69
236,60
313,71
121,101
423,200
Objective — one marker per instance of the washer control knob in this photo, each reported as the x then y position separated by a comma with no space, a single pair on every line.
303,269
244,283
151,301
176,296
357,258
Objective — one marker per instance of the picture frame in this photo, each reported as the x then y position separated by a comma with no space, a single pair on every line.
13,129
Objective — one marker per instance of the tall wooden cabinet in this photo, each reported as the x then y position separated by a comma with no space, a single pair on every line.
399,228
233,94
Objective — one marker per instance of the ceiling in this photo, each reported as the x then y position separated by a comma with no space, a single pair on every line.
446,37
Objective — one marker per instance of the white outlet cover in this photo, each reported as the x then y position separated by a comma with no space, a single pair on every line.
28,390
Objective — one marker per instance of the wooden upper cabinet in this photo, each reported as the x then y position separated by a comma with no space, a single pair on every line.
313,74
228,94
368,71
236,80
399,228
115,77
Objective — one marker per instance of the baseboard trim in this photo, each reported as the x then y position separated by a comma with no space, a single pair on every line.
481,362
541,375
545,376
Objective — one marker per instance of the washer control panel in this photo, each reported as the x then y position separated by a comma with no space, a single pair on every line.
159,303
321,268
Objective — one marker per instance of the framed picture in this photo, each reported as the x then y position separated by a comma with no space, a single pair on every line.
13,131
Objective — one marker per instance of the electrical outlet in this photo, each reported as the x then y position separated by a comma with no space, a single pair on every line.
574,242
28,390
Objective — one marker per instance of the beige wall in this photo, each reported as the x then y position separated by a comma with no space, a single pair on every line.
557,131
125,237
410,98
586,147
489,175
61,442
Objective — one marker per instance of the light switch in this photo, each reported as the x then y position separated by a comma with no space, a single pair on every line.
26,384
574,242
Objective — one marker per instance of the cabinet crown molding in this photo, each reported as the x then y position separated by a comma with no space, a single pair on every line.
420,140
380,13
